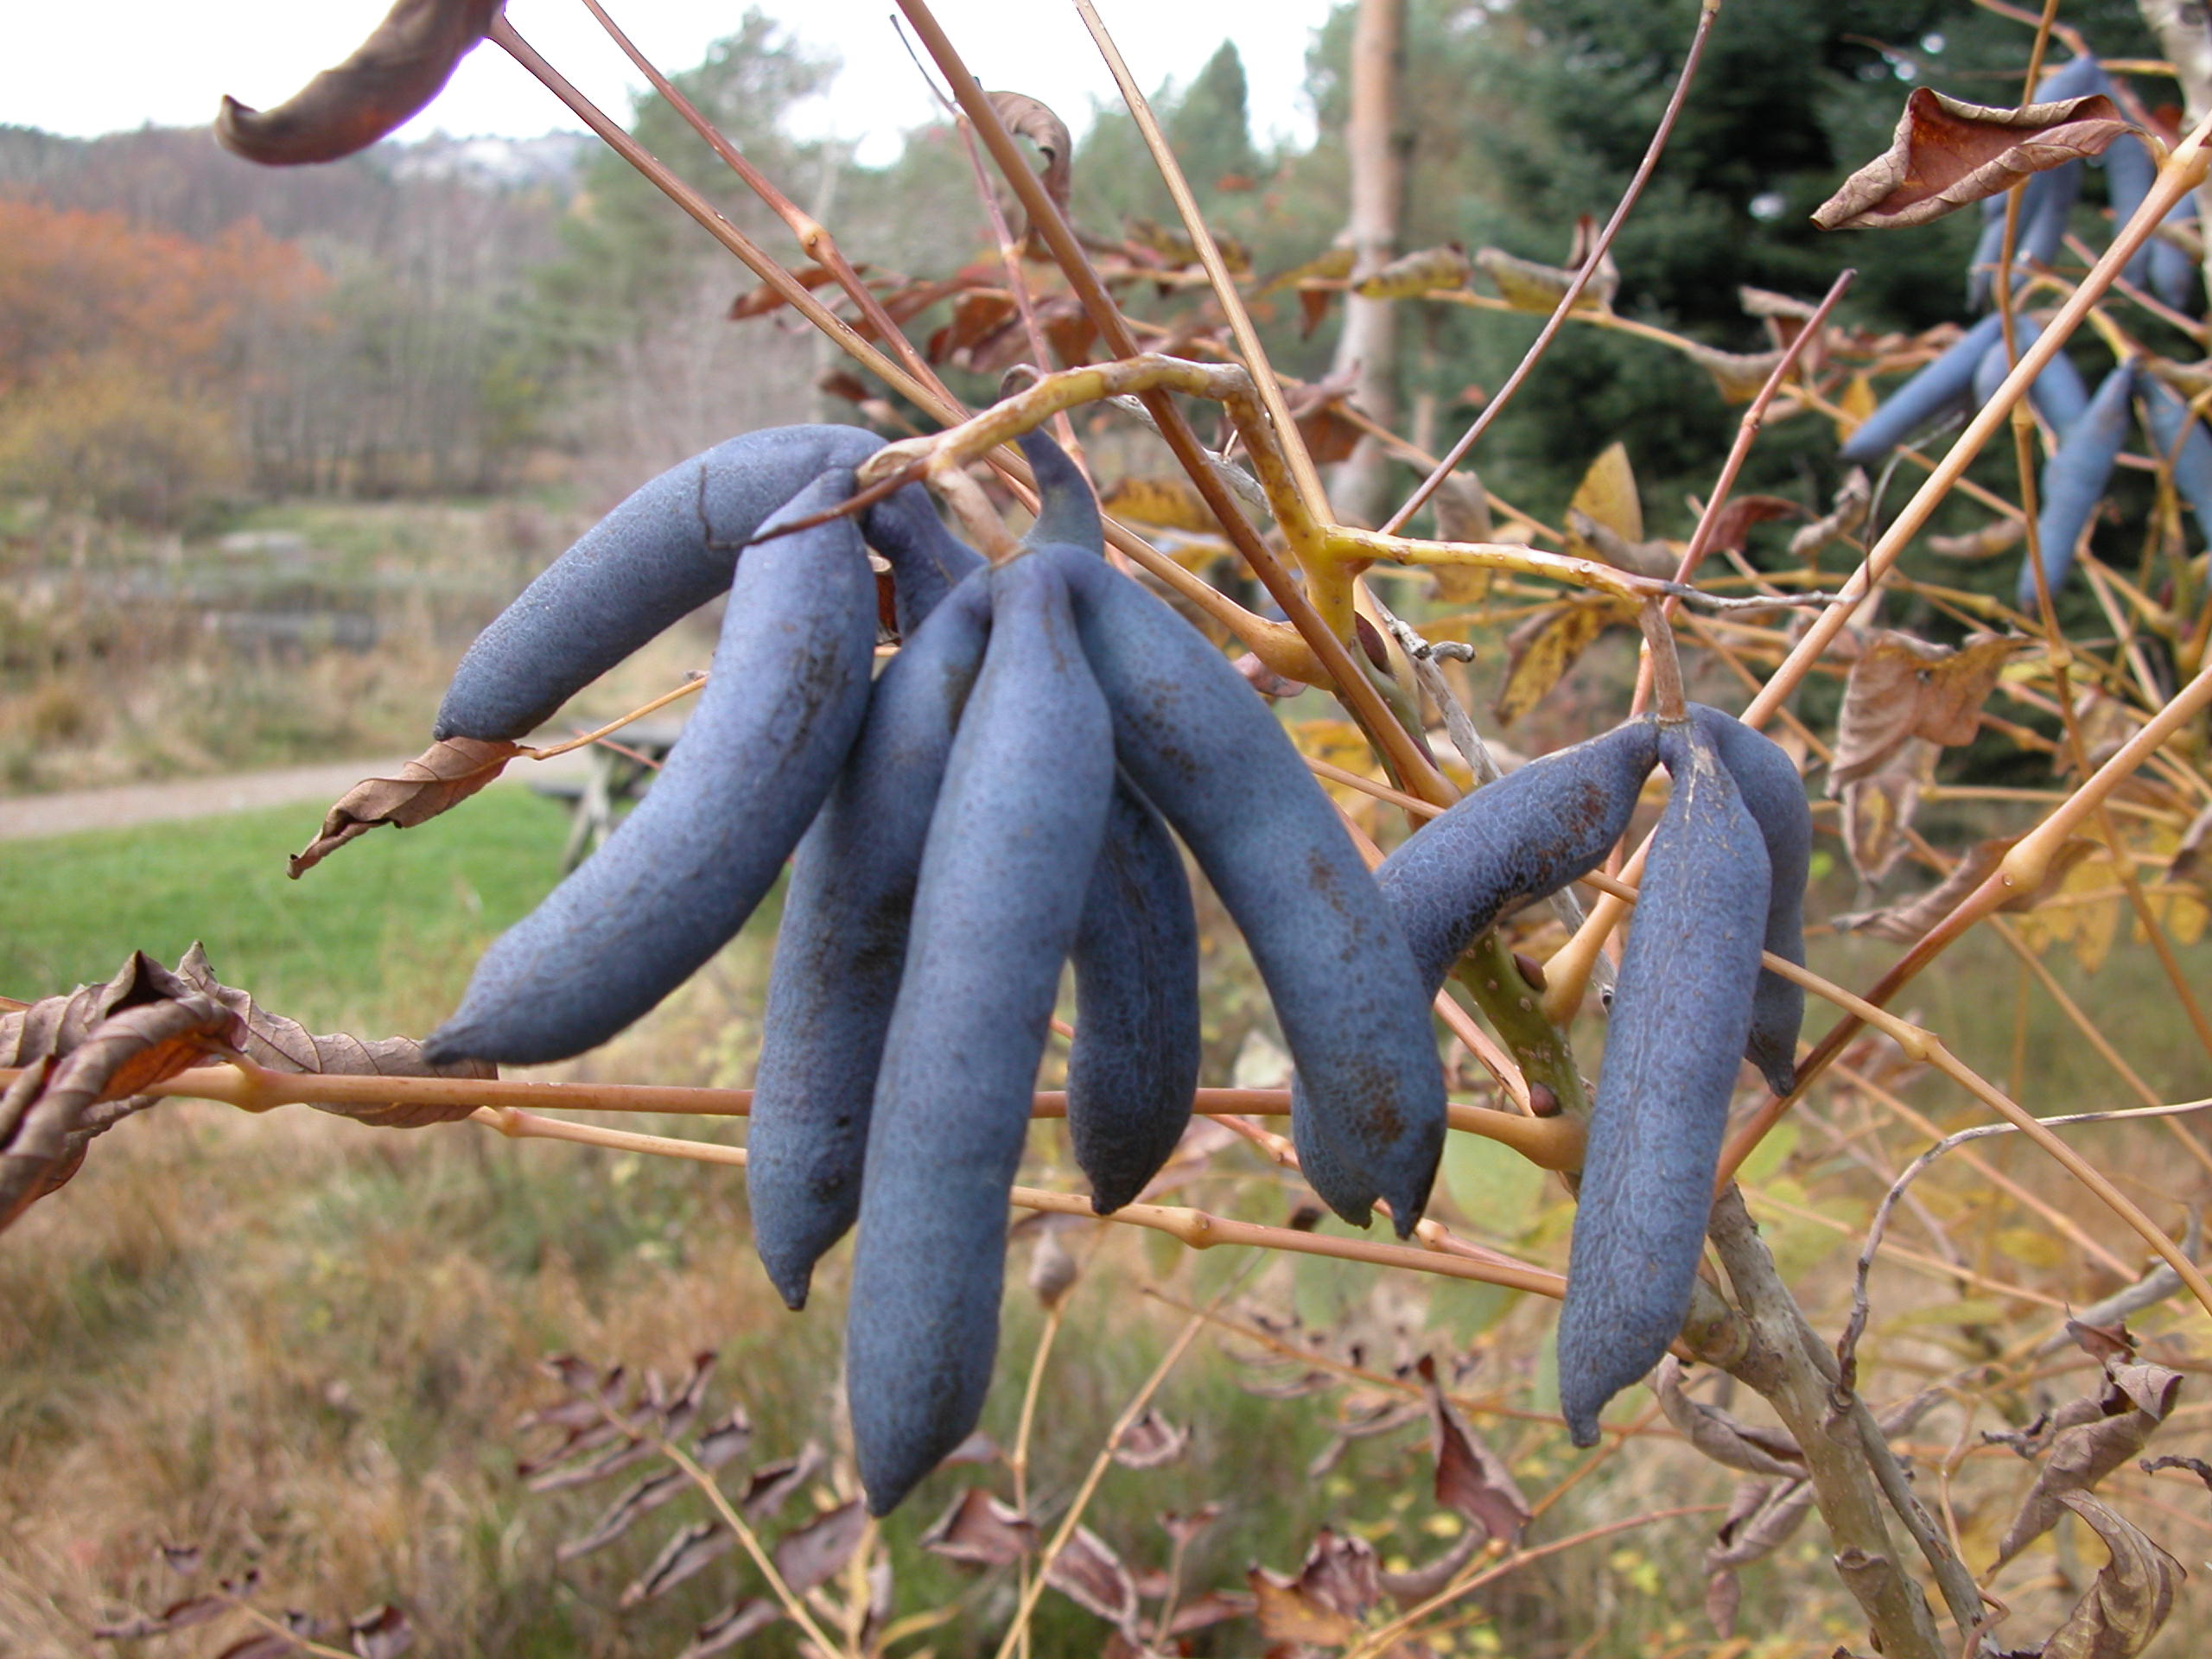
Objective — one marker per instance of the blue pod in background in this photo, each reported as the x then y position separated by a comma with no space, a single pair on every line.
2057,393
2165,411
1939,388
2073,481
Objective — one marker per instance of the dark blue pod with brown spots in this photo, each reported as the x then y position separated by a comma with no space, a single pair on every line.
1011,844
1774,795
1133,1066
1682,1013
1521,837
1193,736
681,872
843,942
667,549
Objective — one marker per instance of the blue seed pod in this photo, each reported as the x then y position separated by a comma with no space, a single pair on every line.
841,942
1774,795
2073,481
1681,1012
2165,413
1940,388
1133,1066
2057,392
681,872
2046,206
1193,736
664,552
1523,837
1011,844
2173,274
1067,512
2129,171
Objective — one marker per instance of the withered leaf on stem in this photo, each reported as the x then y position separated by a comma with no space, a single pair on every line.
1846,513
979,1530
812,1554
1538,652
382,1632
2100,1431
1471,1480
1997,536
1333,265
644,1498
395,72
2188,863
1151,1440
1024,115
1728,1442
440,778
1089,1574
2130,1598
772,1484
731,1626
688,1553
1738,376
1902,687
1415,274
1906,923
1339,1581
1948,152
1526,285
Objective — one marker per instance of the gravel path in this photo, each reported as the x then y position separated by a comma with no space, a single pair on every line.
35,816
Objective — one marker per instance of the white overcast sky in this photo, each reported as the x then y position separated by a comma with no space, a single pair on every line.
86,68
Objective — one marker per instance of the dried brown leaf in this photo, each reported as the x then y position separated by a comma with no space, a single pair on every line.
1947,153
1089,1574
1998,536
1151,1442
689,1552
1215,1607
2130,1598
1739,377
441,777
1902,687
177,1615
772,1484
1471,1480
1734,1445
813,1553
1286,1613
1417,1584
1846,513
382,1632
724,1440
642,1498
2101,1432
1906,923
759,301
2187,864
978,1530
390,78
1033,120
1732,528
731,1626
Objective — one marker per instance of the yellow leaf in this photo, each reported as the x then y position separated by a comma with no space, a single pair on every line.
1607,493
1544,647
1416,274
2033,1246
1167,502
1857,403
1333,266
1528,286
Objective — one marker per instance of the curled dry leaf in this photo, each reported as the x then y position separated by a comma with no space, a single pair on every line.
689,1552
382,1632
1429,271
2188,862
1333,266
1734,1445
2130,1598
1877,809
1731,526
395,72
1471,1480
1164,501
978,1530
440,778
1906,923
1462,508
1035,121
1151,1442
1948,152
1089,1574
813,1553
1762,1516
772,1484
1998,536
1526,285
2096,1435
1846,513
1902,687
644,1498
1739,376
759,301
731,1626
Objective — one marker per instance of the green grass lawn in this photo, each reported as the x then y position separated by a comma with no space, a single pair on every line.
383,934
